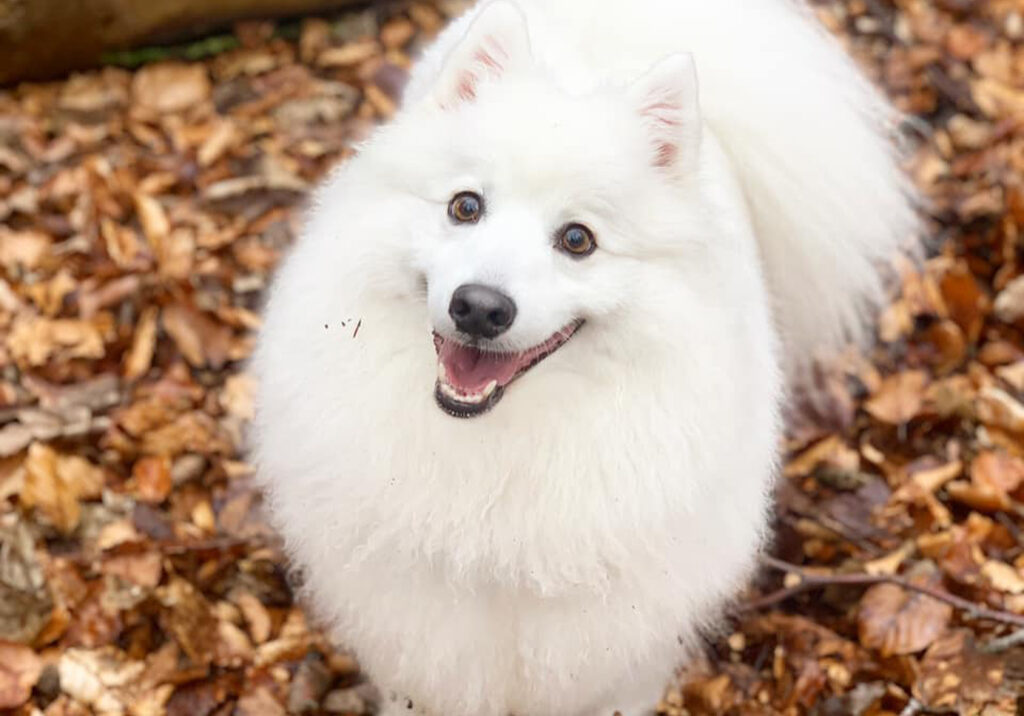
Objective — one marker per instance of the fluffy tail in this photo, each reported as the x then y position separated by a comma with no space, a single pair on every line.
808,136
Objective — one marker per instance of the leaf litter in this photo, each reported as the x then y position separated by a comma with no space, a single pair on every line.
141,215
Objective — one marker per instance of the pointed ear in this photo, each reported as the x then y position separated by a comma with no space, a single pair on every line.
666,99
497,41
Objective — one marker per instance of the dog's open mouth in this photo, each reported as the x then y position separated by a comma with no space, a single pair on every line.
471,380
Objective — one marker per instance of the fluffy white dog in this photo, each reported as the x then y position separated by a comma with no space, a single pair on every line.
521,377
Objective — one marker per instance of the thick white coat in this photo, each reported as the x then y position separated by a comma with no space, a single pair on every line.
558,554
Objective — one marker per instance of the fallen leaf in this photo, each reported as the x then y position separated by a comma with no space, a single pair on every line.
998,408
25,601
151,479
896,621
153,218
140,357
19,670
54,484
954,674
998,471
100,678
201,340
189,619
899,397
1003,577
170,86
34,341
24,249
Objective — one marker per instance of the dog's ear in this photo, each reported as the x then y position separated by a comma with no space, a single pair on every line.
496,42
666,99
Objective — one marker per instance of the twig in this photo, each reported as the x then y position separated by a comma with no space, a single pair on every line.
1003,643
912,708
810,580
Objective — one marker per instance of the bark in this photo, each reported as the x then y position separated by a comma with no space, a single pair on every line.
41,39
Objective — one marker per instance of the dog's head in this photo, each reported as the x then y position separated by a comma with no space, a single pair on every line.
528,217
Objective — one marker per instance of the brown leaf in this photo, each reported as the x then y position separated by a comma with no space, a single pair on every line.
153,219
170,86
49,295
143,569
140,356
899,397
998,471
896,621
34,341
25,601
25,249
966,302
256,616
999,409
19,670
201,340
980,497
1003,577
151,479
238,396
55,483
259,703
100,678
189,619
955,675
190,432
1009,304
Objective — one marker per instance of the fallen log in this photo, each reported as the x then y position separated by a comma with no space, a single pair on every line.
42,39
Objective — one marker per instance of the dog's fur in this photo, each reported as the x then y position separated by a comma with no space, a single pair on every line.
557,554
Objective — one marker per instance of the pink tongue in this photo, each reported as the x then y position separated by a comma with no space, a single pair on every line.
470,370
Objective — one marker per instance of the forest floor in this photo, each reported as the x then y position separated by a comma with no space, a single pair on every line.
142,212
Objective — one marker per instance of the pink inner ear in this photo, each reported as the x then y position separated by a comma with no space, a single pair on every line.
664,121
487,59
483,60
465,90
665,155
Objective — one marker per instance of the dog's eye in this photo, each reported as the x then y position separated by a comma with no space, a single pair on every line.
577,240
466,207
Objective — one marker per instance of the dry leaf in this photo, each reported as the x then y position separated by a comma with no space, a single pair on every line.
25,249
896,621
140,357
1003,577
34,341
899,397
151,479
170,86
19,670
998,471
99,678
54,484
153,219
955,675
999,409
201,340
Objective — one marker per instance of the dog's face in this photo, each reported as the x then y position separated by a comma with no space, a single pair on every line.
529,215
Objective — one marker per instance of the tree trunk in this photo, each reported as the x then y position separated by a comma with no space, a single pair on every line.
45,38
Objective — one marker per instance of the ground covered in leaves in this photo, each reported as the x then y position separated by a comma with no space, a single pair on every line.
141,214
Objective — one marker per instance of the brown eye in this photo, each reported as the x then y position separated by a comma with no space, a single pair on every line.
466,208
577,240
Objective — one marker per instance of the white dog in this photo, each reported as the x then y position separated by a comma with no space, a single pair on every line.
521,378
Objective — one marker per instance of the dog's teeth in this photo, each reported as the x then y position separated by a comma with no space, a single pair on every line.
491,387
442,374
449,391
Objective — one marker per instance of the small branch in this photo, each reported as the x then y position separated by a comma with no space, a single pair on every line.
1004,643
912,708
810,580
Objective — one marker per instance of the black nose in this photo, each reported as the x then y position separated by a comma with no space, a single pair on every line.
481,311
